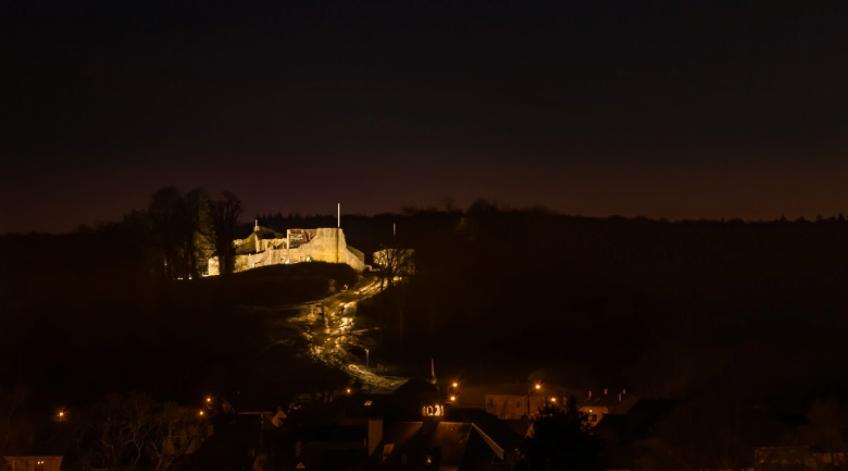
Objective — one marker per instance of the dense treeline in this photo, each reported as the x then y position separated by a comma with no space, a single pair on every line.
665,306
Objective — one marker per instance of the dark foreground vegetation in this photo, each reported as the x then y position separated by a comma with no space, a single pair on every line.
736,317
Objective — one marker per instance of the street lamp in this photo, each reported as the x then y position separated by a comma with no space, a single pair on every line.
537,386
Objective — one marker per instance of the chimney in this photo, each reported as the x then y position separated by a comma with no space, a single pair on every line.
375,433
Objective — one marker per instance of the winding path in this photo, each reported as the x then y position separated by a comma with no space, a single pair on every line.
330,337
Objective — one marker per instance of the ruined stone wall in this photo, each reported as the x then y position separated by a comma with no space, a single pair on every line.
326,244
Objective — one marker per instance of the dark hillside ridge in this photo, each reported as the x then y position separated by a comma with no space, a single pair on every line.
663,306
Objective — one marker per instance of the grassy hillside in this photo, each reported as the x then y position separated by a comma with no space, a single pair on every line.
74,333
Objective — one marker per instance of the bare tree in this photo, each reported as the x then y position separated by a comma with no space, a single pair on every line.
175,433
126,432
14,428
224,213
394,262
119,428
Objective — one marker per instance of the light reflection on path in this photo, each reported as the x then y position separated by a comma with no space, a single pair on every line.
330,339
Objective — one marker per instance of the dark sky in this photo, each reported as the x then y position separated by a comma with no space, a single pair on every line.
664,109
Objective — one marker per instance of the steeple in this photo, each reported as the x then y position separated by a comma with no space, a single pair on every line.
432,371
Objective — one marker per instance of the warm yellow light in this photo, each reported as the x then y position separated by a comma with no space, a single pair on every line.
208,399
537,386
455,384
201,413
553,399
348,390
61,414
452,398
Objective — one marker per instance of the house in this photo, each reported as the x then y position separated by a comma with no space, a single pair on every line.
439,445
34,462
44,452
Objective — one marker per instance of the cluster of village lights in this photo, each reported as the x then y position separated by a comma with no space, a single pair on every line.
453,395
62,414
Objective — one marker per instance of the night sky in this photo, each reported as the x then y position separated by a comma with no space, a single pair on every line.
663,109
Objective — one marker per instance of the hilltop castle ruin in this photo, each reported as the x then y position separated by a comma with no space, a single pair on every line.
264,247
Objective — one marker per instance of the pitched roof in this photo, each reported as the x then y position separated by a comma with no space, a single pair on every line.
437,445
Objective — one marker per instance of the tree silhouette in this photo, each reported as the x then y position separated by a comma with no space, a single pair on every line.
167,212
195,213
560,440
224,213
825,428
175,432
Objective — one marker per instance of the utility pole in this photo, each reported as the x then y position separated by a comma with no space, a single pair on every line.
338,228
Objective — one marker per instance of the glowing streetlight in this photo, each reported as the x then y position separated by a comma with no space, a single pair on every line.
208,399
553,400
455,384
348,390
452,398
61,415
201,413
537,386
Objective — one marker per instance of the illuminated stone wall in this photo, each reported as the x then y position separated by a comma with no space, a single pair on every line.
327,244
